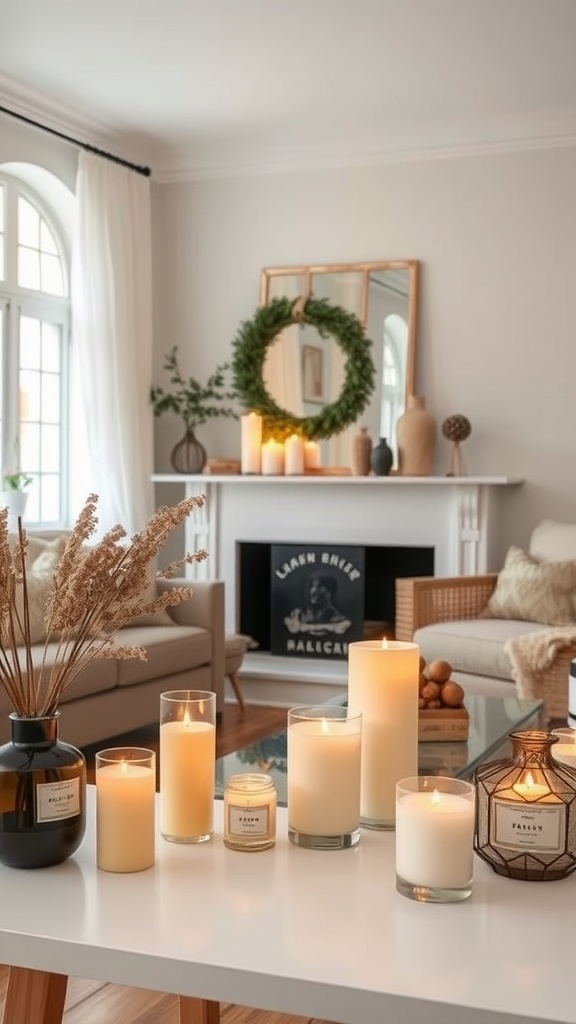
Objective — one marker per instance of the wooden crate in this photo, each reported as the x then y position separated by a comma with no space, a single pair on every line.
443,724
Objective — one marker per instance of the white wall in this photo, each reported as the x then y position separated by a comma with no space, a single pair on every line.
496,235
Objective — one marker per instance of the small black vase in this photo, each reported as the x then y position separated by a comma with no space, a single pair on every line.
42,795
188,456
381,458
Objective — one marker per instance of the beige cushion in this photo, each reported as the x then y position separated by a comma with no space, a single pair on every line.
534,591
170,650
39,578
159,618
553,542
473,645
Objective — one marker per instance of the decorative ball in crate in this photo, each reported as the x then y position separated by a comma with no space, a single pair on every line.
441,712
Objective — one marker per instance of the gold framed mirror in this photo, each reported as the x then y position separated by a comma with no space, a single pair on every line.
384,296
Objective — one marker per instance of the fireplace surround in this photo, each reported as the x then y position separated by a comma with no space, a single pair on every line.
456,517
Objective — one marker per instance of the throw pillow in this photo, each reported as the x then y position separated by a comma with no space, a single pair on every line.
532,591
160,618
39,577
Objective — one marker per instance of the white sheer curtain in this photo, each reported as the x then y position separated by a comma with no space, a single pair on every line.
112,336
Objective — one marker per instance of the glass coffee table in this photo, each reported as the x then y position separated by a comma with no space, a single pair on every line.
491,719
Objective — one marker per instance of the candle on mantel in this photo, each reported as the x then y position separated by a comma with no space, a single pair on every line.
383,685
312,458
187,770
434,838
251,441
125,821
528,788
323,757
272,458
294,455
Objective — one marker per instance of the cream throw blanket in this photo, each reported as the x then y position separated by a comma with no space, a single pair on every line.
532,655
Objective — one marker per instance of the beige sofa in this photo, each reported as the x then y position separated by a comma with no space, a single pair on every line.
110,697
511,633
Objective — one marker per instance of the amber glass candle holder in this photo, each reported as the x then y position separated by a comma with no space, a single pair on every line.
526,811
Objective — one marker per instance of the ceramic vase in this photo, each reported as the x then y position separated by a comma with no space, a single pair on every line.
381,458
15,502
42,795
416,438
188,456
361,449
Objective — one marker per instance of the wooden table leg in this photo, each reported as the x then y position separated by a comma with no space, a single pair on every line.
198,1011
34,997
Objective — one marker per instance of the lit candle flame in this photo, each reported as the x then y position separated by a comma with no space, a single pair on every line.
186,718
324,726
435,798
124,767
384,643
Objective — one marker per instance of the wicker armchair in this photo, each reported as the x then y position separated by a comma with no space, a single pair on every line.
428,600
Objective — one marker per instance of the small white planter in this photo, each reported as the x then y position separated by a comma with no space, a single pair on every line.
15,502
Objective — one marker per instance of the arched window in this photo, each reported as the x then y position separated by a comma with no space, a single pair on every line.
34,349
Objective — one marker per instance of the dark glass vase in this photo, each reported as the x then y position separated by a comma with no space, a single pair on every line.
42,795
526,811
381,458
188,456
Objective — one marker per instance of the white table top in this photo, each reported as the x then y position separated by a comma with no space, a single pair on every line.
324,934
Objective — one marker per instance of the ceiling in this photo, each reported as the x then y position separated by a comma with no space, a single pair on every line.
198,87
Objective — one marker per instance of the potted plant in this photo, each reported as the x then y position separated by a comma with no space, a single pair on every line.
195,403
14,496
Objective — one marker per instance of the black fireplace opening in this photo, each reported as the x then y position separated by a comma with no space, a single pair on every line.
381,565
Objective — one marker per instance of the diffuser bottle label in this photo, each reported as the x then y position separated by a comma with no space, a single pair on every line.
524,826
56,800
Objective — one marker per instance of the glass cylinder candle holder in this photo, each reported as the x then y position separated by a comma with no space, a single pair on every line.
383,684
187,765
434,838
323,776
564,750
125,808
250,812
526,807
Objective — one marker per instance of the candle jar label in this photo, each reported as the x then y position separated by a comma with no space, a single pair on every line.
252,821
57,800
517,826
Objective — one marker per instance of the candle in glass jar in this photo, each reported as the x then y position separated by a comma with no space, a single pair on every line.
125,806
564,750
323,771
272,458
251,441
293,455
383,685
435,834
250,812
187,765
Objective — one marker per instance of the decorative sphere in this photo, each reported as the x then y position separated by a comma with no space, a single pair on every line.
457,427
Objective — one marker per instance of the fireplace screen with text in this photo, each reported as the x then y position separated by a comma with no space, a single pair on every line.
317,599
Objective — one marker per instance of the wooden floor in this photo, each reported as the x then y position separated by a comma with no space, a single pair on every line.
97,1002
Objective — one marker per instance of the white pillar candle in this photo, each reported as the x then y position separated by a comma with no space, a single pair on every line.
251,441
323,774
435,838
272,458
125,821
187,765
312,455
383,685
294,455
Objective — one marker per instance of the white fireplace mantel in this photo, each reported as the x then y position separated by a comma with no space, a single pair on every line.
457,516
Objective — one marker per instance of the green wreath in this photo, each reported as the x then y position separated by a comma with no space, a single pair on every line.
250,347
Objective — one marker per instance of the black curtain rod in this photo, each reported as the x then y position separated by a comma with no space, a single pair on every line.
76,142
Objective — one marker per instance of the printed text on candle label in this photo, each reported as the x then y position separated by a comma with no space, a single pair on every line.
540,828
56,800
252,821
